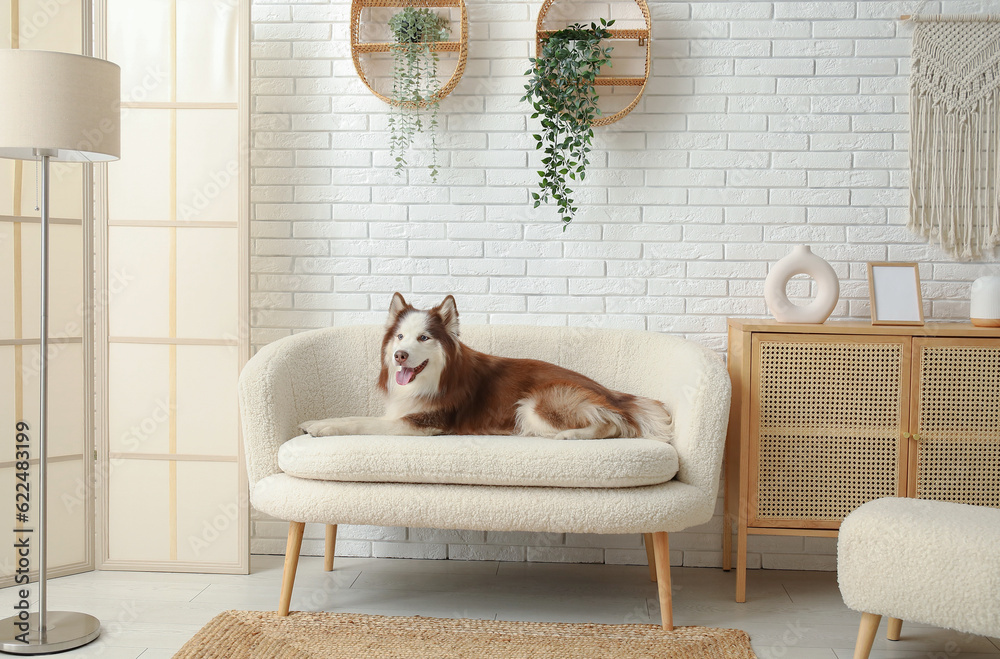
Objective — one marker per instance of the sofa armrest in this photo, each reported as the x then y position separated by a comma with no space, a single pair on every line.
697,390
267,410
312,375
280,387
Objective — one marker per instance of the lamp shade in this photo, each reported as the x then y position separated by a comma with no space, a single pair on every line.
67,106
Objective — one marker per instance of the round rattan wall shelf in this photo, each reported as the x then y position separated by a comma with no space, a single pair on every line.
359,48
641,35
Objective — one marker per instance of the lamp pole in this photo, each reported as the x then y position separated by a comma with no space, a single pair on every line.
43,405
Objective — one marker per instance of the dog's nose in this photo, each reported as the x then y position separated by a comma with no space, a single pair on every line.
401,356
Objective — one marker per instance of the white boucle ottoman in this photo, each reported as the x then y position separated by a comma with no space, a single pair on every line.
930,562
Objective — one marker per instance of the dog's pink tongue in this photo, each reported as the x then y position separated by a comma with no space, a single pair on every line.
405,375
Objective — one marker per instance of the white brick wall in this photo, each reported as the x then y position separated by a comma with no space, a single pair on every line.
764,125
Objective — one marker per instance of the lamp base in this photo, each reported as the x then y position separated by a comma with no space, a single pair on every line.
65,630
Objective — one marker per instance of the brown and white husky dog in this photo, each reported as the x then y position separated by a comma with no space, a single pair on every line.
435,384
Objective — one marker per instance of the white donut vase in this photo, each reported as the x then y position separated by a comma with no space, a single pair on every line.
801,262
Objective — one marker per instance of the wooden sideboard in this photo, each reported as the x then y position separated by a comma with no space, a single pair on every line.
827,417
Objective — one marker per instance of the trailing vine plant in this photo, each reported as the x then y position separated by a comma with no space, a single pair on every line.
561,91
415,83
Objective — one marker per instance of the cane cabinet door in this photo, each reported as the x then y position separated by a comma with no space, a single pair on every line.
955,439
827,417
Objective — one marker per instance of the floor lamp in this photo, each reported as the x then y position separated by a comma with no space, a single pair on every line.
63,108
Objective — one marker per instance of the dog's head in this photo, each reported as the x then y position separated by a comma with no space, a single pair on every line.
417,345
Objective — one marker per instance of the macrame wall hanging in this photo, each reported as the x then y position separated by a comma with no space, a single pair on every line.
955,132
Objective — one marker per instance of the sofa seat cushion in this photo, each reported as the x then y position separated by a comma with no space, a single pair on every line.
480,460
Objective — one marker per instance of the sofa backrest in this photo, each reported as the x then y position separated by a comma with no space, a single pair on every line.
347,361
622,360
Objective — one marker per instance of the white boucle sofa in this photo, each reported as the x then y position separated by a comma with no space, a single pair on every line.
484,482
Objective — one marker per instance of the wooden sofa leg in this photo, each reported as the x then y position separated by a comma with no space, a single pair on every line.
727,543
295,531
650,556
331,544
895,627
866,635
661,556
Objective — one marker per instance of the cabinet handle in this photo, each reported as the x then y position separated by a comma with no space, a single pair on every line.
916,438
906,435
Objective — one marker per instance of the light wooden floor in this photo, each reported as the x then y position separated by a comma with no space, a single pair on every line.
798,615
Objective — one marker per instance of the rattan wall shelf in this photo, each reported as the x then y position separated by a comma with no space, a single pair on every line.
641,35
359,48
827,417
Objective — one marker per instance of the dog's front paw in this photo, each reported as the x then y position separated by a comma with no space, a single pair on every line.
322,427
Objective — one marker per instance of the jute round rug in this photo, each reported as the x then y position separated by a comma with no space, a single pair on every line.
259,634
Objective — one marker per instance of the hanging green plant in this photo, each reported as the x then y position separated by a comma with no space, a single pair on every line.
561,90
415,85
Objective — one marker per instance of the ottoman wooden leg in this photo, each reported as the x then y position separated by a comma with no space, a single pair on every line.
895,627
331,544
650,556
866,635
661,549
295,531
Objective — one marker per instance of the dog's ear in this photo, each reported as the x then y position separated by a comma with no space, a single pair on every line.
396,307
448,311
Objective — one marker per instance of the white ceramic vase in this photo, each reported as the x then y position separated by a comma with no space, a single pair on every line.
985,308
801,262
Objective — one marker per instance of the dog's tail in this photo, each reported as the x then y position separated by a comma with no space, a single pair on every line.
653,419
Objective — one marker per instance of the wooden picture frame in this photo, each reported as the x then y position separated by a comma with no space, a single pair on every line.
894,291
